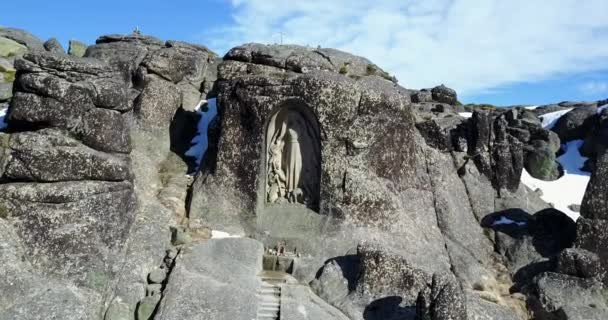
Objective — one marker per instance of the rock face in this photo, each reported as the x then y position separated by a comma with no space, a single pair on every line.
66,176
393,204
384,165
216,279
574,124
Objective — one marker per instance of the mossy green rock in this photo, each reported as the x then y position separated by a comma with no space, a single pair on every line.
146,307
77,48
540,162
10,48
118,310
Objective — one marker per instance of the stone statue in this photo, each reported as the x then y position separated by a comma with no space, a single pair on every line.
293,154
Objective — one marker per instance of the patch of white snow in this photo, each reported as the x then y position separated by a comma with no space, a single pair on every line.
505,220
3,124
531,107
302,310
550,119
216,234
200,142
568,189
601,108
466,114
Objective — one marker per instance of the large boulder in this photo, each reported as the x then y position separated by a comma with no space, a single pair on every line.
23,37
216,279
53,45
540,161
595,201
444,94
554,291
575,124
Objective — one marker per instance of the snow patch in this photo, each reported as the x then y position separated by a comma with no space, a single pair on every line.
3,124
200,141
531,107
550,119
466,114
302,310
216,234
601,108
568,189
504,220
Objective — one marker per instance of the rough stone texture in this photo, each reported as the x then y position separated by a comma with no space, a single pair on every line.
10,48
444,94
23,37
157,103
581,313
50,155
298,302
53,45
575,124
446,300
595,201
208,278
66,183
554,291
53,95
592,235
579,263
345,112
480,309
178,62
77,48
304,59
540,161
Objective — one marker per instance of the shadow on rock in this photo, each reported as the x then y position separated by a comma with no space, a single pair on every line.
550,229
388,308
349,265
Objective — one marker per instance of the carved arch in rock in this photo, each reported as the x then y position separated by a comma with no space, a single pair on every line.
293,156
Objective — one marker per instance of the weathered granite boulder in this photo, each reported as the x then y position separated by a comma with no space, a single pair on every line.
540,161
579,263
53,45
23,37
575,124
66,182
595,201
298,302
216,279
77,48
444,94
554,291
445,300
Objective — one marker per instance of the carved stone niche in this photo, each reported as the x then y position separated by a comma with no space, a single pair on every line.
293,157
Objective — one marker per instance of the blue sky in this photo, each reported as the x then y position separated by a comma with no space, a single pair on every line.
491,51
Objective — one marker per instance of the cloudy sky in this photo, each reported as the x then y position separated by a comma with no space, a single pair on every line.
495,51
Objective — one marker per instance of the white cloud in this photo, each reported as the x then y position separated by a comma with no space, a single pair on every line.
470,45
594,87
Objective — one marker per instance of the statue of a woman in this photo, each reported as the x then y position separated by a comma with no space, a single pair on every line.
292,160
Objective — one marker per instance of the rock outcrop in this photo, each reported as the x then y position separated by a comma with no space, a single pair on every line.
66,177
352,197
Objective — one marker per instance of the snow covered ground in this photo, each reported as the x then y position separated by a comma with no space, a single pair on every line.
199,142
550,119
2,115
570,188
466,114
216,234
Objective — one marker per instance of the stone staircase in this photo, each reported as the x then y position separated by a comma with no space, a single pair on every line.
269,297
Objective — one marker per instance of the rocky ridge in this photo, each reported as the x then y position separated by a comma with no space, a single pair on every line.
409,222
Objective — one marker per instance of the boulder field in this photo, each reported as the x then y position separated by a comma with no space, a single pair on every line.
326,190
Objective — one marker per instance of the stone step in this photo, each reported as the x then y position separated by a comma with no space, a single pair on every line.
269,308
